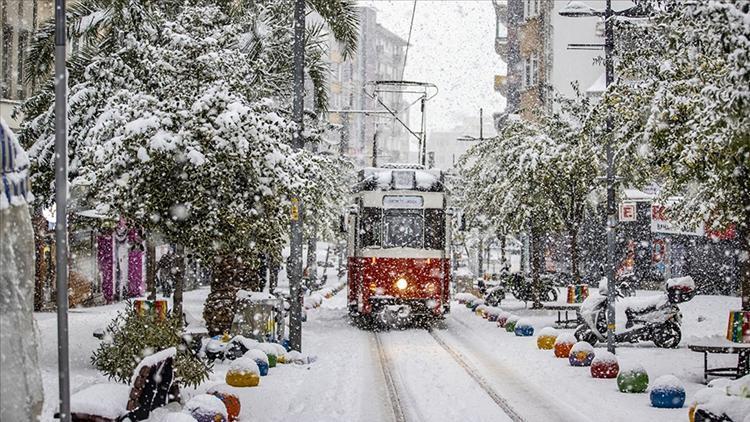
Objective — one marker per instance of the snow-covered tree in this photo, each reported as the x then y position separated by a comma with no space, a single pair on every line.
684,101
186,132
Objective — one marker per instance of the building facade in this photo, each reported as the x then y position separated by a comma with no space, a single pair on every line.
19,19
379,56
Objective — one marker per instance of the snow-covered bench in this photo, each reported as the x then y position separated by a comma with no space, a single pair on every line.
150,388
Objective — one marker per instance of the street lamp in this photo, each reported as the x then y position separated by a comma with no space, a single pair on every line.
580,9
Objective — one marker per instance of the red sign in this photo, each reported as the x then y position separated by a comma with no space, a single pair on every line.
628,212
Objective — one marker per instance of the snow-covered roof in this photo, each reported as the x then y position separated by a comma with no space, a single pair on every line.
401,178
631,194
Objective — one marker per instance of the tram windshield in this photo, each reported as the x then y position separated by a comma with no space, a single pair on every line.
403,229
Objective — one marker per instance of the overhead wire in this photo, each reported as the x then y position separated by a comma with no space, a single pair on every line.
408,39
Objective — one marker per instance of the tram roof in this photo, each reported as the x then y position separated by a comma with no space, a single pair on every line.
400,177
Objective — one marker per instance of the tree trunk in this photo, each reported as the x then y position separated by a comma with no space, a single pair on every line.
40,275
311,267
502,251
537,255
574,269
480,260
179,281
151,267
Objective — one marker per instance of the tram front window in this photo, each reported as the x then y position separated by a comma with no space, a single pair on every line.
403,229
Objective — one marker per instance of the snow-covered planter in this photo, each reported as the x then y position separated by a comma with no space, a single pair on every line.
231,401
510,323
260,358
633,379
243,372
492,313
563,344
481,310
464,297
206,408
271,351
524,328
581,354
476,303
313,301
604,365
546,338
722,400
299,358
502,319
667,392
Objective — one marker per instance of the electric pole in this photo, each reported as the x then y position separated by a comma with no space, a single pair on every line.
294,270
61,217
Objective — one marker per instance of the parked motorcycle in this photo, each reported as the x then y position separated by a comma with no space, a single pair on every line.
654,318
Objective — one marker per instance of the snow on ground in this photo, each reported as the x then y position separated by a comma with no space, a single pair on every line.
347,383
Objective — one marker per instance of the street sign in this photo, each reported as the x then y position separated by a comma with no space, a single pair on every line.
628,212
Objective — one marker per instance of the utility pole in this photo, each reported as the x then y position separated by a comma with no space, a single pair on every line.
609,74
61,202
295,233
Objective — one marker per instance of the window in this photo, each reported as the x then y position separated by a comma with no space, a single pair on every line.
434,231
530,9
369,230
403,229
530,71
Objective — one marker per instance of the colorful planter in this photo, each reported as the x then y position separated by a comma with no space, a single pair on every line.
667,392
577,293
523,328
582,354
206,408
604,365
632,380
243,372
510,324
563,344
738,328
231,402
546,339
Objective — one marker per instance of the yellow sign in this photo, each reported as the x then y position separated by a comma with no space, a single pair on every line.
295,209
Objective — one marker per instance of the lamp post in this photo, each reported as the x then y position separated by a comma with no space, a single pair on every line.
580,9
295,232
61,203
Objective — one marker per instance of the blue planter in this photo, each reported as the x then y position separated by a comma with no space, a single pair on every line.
262,366
668,398
524,330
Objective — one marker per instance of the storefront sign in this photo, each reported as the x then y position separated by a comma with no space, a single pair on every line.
628,212
661,224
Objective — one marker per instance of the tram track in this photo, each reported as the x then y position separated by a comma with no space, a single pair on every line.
477,377
397,392
390,385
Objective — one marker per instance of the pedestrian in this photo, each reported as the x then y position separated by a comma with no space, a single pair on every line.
21,395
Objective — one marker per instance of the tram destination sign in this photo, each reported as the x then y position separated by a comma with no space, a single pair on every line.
402,201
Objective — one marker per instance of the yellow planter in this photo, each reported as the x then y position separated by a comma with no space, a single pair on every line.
242,379
546,342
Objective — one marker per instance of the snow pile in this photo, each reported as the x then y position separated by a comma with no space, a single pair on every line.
464,297
566,338
256,354
243,366
581,346
683,283
299,358
725,397
313,301
247,343
105,400
548,332
667,383
206,407
178,417
152,360
268,348
493,311
254,296
523,323
603,356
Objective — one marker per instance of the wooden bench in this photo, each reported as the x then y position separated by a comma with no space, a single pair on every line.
720,345
151,387
563,309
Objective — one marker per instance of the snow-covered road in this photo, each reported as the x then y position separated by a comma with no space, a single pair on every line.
464,369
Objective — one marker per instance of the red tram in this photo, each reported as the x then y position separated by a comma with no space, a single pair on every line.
398,249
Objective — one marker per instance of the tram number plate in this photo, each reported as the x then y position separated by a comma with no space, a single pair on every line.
402,201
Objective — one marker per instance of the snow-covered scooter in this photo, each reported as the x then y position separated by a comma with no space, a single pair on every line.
655,318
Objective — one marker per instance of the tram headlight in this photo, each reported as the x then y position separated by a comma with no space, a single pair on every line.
401,283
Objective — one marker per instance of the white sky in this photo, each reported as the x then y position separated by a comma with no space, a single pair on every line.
452,46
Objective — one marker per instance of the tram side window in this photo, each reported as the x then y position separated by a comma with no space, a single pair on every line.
403,229
434,230
371,221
